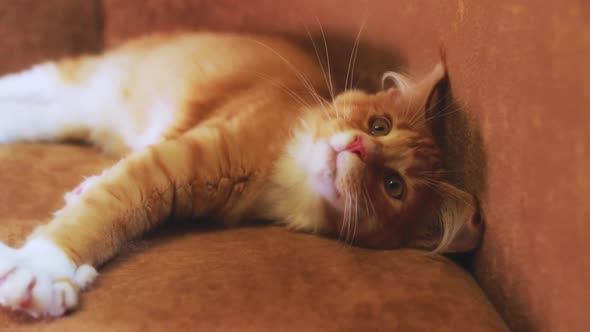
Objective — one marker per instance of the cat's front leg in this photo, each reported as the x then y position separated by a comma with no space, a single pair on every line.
40,278
45,276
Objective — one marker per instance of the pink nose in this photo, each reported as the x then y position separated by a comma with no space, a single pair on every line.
357,147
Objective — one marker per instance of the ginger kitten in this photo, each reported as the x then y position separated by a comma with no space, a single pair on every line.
230,127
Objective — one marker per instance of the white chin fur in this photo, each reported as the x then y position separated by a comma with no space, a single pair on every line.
319,161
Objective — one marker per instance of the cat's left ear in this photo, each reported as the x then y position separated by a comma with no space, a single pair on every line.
430,95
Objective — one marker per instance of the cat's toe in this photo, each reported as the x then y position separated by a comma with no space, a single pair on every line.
85,276
65,296
36,293
16,286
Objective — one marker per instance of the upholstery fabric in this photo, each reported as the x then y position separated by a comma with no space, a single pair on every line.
34,31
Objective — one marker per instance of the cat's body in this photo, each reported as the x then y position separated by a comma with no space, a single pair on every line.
228,127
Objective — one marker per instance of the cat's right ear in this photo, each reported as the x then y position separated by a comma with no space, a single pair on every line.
456,226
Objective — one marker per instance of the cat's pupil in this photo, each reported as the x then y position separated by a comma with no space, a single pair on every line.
394,185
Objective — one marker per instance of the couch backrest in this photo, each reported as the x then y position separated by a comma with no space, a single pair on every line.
32,31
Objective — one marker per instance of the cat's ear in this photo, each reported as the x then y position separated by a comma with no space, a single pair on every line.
456,226
460,219
430,96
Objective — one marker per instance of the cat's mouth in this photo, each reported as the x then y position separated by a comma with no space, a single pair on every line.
343,171
333,170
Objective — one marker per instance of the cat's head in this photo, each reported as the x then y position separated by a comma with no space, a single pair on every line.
367,168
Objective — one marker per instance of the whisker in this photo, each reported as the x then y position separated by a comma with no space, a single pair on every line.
365,202
285,88
328,77
352,59
373,213
425,121
356,219
331,86
407,111
349,224
439,114
420,122
440,171
432,186
417,113
441,188
352,219
344,220
321,101
349,219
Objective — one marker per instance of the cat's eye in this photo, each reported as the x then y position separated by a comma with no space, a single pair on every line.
379,126
394,185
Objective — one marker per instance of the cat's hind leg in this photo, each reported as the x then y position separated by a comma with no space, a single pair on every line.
73,99
85,99
37,105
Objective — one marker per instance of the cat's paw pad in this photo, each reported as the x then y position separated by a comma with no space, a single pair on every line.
40,280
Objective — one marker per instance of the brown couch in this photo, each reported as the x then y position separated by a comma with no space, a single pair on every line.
520,142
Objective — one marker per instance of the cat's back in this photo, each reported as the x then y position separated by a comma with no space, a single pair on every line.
184,66
205,58
162,85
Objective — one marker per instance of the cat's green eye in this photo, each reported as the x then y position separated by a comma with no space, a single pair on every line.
394,185
379,126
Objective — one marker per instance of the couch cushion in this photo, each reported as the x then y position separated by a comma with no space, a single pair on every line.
247,279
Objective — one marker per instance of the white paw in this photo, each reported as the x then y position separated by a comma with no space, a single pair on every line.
40,279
